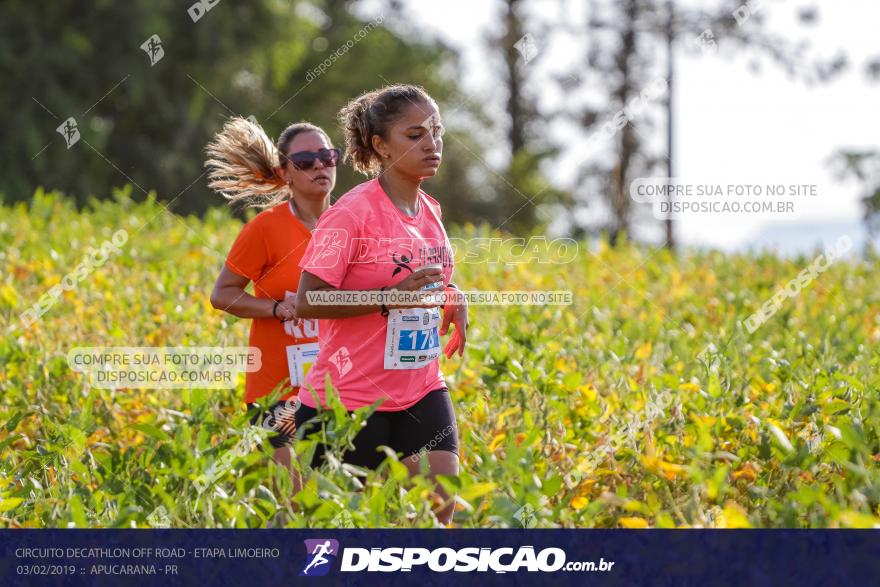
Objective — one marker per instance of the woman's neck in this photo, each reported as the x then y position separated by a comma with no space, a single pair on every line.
308,210
402,191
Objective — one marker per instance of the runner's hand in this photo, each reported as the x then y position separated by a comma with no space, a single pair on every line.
287,311
415,282
455,312
420,278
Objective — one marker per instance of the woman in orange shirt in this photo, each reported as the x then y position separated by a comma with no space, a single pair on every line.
292,181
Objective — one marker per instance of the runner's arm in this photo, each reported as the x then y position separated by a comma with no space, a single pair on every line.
312,283
229,296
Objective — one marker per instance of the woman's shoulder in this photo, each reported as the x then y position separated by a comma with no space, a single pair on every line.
359,201
361,194
262,224
432,203
270,215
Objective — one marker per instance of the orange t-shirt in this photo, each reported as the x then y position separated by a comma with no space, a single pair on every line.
268,251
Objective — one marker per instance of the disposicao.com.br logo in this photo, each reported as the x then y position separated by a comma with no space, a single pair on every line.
323,552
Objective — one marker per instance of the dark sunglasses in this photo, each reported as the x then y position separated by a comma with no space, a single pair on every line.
305,160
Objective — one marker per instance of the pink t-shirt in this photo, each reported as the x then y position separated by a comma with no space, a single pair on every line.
365,242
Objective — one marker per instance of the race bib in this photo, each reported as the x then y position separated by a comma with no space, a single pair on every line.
300,358
412,340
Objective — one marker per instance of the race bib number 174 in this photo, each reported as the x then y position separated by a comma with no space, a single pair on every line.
412,340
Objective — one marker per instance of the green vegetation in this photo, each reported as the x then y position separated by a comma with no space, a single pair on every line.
605,413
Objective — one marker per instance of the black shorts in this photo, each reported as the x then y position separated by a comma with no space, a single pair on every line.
428,425
277,418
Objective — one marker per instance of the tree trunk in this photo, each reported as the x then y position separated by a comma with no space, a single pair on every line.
620,203
670,120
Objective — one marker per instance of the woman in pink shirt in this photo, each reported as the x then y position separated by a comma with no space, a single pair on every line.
386,234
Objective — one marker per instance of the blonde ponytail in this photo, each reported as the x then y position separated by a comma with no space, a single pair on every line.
242,161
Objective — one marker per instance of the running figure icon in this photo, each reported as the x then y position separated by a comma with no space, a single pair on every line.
320,550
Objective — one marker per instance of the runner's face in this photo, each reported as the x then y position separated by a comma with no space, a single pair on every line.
317,181
414,142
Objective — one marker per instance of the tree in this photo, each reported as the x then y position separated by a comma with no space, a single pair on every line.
137,122
862,165
623,38
521,188
144,115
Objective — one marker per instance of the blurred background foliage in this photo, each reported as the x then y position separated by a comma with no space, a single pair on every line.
148,124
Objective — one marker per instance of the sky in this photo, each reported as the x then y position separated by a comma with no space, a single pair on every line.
734,127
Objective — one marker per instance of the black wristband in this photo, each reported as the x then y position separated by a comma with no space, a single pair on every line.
384,310
275,307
